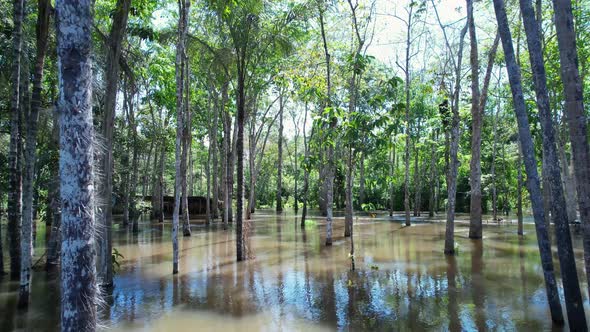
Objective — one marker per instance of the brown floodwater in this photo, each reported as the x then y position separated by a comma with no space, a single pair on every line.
292,282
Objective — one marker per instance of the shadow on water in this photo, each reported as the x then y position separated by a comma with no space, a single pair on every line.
290,281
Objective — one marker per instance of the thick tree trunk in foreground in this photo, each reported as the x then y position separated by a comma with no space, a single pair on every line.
44,12
528,151
78,269
567,263
14,171
575,115
104,217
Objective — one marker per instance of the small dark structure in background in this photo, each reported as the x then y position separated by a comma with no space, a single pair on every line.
197,205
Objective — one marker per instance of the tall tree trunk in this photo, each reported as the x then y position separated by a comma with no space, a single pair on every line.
575,115
453,147
567,263
417,192
493,169
104,216
475,226
78,268
330,153
568,181
392,168
528,151
407,129
306,146
134,213
279,206
519,213
43,14
183,10
241,99
14,171
54,243
361,179
433,159
186,140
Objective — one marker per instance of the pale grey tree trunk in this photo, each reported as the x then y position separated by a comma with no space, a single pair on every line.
362,180
576,115
567,263
43,15
104,217
14,171
78,268
528,151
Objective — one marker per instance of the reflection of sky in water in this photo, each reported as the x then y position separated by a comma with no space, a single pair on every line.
294,282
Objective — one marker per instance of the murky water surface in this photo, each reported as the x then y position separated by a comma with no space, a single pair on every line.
291,282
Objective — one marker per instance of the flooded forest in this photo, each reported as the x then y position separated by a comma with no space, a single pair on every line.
294,165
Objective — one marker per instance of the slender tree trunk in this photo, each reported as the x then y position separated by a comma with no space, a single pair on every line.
78,268
475,225
349,181
567,263
361,180
279,206
240,156
104,216
453,142
14,171
306,146
417,192
493,170
134,213
330,153
575,115
528,151
392,168
53,245
519,213
433,158
186,139
43,14
568,181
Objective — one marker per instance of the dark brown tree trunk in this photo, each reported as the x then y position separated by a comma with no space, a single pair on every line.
528,151
78,268
14,171
279,205
576,115
104,216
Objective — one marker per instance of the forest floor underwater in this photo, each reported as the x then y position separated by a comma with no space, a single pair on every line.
292,282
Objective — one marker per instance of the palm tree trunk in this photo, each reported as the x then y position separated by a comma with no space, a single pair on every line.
78,268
